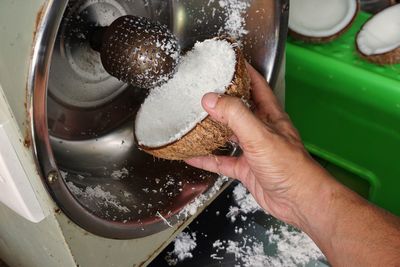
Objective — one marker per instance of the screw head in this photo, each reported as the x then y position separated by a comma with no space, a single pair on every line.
52,177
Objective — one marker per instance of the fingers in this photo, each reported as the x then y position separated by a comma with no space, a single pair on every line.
268,108
232,112
257,80
285,127
220,165
267,105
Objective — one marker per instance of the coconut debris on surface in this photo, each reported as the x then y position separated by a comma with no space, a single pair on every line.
231,12
184,243
120,174
192,207
246,252
235,24
293,248
245,204
281,245
105,198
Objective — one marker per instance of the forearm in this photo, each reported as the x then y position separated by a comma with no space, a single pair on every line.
349,230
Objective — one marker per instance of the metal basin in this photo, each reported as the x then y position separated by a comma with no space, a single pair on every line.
83,119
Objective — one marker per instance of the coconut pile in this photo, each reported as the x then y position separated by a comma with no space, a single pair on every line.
278,245
322,21
172,123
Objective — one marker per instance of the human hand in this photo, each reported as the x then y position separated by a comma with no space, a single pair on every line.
274,166
290,185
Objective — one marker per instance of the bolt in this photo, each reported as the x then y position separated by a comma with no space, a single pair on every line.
52,177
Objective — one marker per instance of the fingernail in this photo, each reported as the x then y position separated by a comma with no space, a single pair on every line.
211,100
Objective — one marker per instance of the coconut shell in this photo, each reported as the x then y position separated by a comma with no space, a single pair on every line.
388,58
208,135
326,39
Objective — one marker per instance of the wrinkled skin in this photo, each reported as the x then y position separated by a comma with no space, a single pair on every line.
273,155
290,185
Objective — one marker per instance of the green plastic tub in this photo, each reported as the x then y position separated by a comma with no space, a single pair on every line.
348,113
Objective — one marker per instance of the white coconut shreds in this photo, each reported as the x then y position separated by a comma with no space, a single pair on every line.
119,174
191,208
286,246
245,203
247,252
106,198
291,248
235,22
184,243
294,248
174,108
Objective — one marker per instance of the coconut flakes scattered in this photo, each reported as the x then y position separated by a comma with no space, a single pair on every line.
106,198
246,252
174,108
235,21
245,200
184,243
192,207
245,203
291,247
64,174
119,174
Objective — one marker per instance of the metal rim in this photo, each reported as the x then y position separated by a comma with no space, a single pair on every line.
37,105
37,84
282,7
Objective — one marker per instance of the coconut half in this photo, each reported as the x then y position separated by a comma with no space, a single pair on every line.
379,39
321,21
172,123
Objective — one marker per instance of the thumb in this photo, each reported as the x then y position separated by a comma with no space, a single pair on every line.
232,112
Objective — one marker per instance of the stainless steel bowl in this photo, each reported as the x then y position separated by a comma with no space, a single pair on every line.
83,119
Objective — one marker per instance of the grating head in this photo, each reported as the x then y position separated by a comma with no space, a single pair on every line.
140,52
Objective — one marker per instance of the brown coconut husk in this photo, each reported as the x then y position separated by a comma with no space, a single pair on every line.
208,135
389,58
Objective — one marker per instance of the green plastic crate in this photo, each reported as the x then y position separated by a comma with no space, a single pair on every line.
348,113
